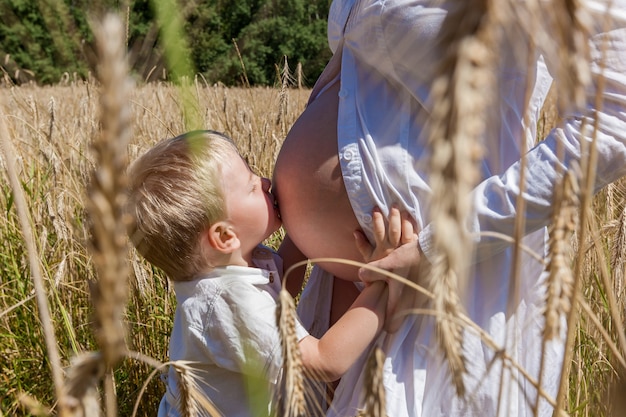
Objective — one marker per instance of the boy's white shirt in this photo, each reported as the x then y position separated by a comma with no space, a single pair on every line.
225,326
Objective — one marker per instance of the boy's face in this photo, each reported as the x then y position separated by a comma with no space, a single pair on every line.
251,208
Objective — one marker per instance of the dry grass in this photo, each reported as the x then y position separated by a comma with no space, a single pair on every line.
51,131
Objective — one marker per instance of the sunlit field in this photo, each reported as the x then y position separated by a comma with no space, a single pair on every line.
51,130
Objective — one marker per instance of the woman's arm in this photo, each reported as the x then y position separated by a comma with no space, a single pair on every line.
602,124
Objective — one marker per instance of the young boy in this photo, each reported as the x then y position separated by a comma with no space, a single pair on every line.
200,215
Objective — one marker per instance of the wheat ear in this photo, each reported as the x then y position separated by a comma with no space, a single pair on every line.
560,280
461,95
285,80
192,401
618,255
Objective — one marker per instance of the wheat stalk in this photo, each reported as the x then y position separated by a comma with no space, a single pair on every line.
299,75
106,199
568,29
243,66
374,389
291,392
619,357
611,300
588,168
51,110
106,192
461,95
171,20
560,281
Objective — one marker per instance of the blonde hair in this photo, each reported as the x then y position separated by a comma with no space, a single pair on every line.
175,193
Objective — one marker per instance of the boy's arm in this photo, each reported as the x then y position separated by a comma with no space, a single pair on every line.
331,356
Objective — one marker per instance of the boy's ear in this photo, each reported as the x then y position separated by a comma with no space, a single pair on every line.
222,237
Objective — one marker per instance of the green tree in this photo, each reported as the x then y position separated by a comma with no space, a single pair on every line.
264,44
40,37
206,31
53,37
292,28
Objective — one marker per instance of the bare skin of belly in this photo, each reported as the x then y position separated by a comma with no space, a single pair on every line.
314,205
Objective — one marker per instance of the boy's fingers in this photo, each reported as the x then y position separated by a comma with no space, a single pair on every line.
408,232
378,221
395,226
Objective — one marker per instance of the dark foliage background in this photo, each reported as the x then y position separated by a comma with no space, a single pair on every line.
48,41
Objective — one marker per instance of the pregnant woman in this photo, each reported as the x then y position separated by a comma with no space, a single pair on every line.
361,144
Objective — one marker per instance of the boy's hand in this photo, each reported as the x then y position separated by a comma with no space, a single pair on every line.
395,249
388,235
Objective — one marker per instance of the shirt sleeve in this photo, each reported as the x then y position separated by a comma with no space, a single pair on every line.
604,125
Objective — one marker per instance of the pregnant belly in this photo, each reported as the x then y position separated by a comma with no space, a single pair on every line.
314,206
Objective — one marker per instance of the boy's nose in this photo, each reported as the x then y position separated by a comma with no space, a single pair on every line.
267,184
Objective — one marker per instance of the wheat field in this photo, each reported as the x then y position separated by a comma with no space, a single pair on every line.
51,131
77,323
